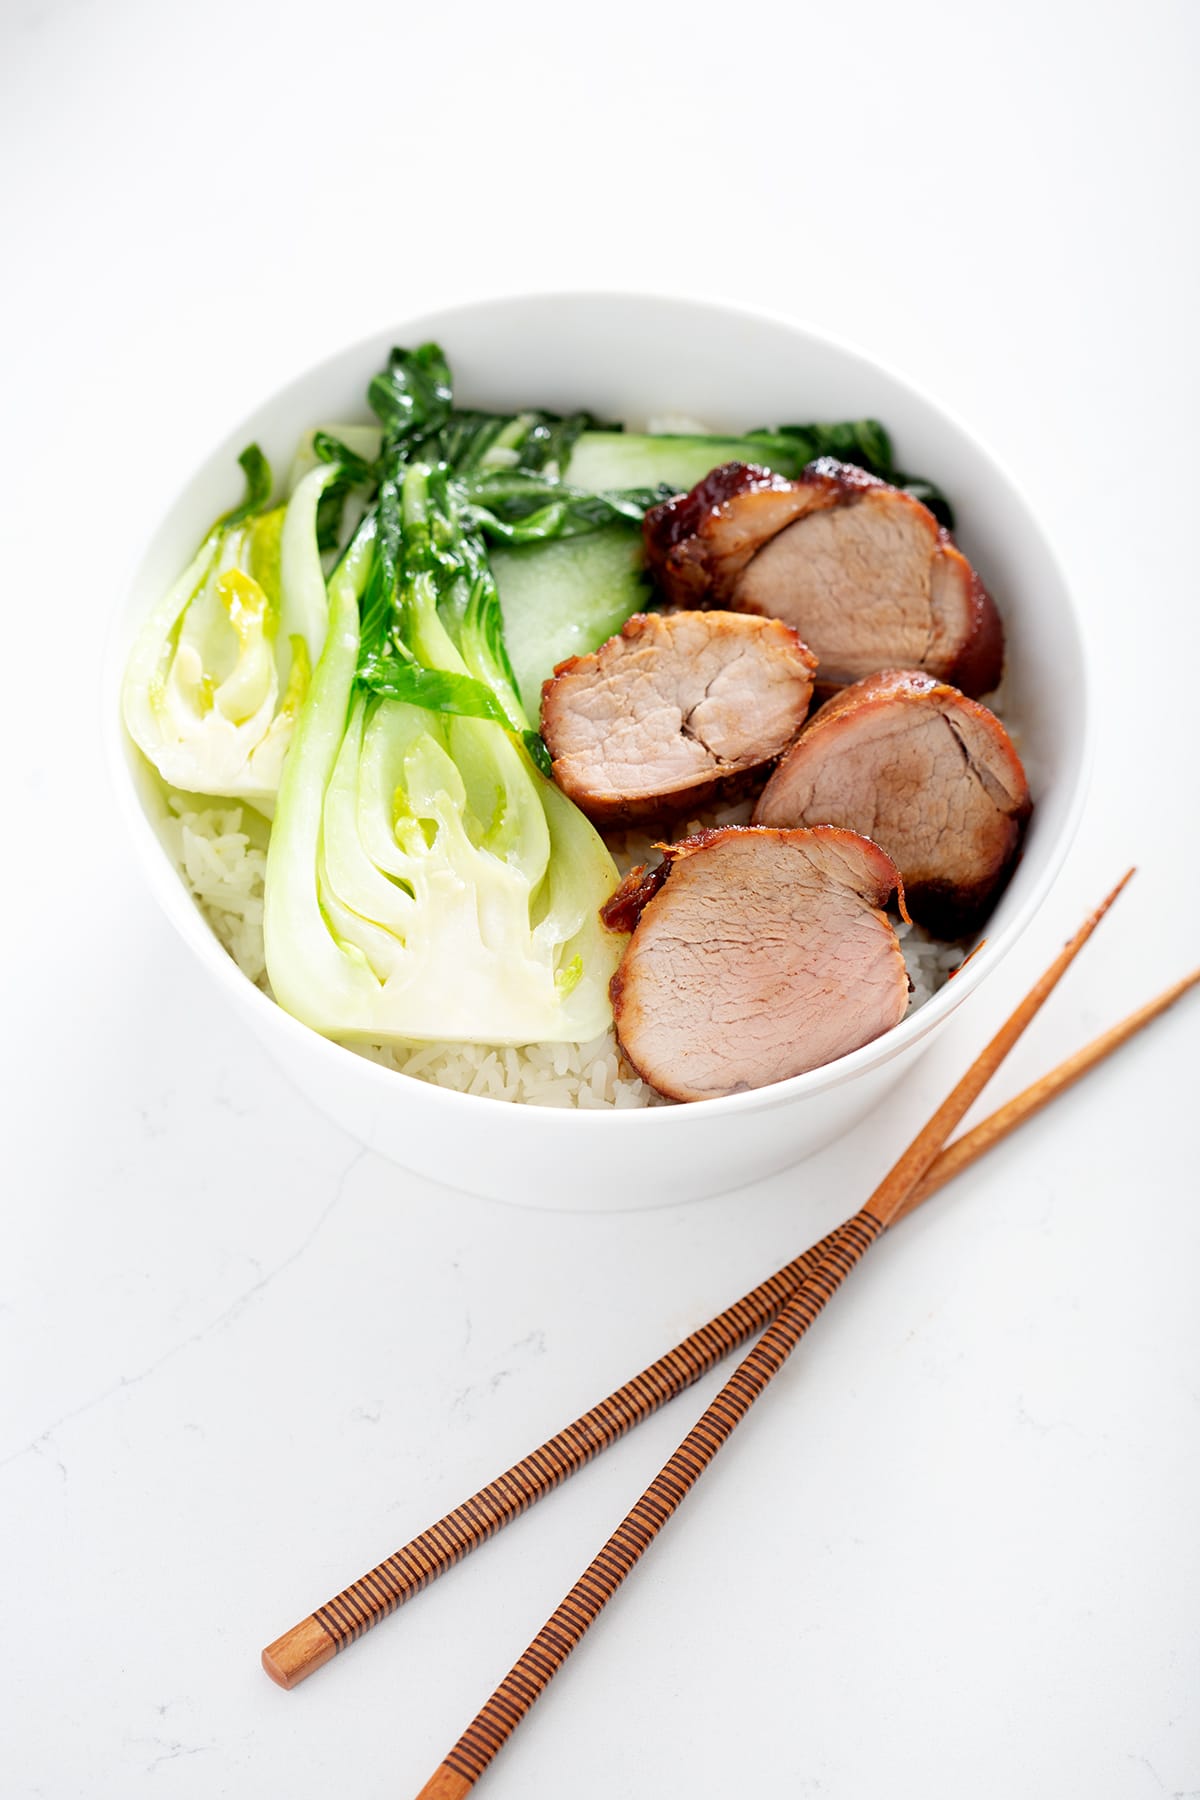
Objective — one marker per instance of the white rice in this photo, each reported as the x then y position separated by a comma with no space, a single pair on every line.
221,851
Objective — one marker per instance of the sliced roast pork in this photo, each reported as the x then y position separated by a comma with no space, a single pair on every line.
756,954
927,773
674,709
861,570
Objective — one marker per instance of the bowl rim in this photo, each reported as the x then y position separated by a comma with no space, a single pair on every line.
184,914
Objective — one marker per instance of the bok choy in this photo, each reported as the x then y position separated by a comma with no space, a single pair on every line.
425,879
220,669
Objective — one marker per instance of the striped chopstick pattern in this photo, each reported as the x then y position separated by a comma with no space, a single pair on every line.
403,1574
524,1683
313,1642
540,1662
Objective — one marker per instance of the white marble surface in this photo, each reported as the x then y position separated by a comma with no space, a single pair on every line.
954,1551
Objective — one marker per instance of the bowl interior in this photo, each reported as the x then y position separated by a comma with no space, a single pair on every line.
632,357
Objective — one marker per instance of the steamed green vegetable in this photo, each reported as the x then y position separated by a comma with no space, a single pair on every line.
221,667
424,878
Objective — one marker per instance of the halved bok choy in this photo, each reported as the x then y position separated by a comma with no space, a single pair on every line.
425,880
221,668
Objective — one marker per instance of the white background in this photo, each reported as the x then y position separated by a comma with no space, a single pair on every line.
954,1551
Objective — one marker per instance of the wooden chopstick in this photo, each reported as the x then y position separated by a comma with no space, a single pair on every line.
313,1642
540,1662
968,1149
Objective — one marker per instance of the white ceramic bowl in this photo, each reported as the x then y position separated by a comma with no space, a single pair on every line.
631,357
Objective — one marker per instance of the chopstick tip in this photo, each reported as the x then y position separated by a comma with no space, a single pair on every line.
1126,878
445,1784
1109,900
294,1656
275,1670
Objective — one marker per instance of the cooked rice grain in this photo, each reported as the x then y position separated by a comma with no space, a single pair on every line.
222,851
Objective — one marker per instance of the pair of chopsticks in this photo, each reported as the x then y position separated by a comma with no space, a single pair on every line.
783,1307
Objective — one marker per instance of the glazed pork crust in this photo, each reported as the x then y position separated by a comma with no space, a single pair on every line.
861,570
929,774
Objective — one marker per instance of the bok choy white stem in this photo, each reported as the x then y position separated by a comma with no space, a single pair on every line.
220,669
424,879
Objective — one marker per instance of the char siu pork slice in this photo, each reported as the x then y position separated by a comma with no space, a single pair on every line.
756,954
929,774
674,709
863,572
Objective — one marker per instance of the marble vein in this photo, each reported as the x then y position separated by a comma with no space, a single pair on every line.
40,1445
